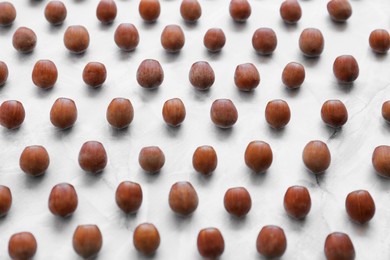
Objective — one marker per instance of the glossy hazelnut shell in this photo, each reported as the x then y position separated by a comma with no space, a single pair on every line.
120,113
264,41
87,240
271,242
34,160
190,10
126,37
258,156
7,13
246,77
55,12
277,113
339,10
338,246
346,69
201,75
92,157
12,114
360,206
63,113
183,199
22,246
44,74
5,200
210,243
237,201
297,202
311,42
334,113
381,160
76,39
150,74
379,41
223,113
293,75
316,156
151,159
240,10
174,112
290,11
172,38
214,39
205,159
3,73
63,200
106,11
386,111
146,239
149,10
128,197
24,40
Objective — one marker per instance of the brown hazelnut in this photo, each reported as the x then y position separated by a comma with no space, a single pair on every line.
146,238
316,156
240,10
237,201
94,74
297,202
126,37
151,159
246,77
210,243
290,11
172,38
379,41
277,113
63,113
44,74
12,114
190,10
338,246
334,113
346,69
63,200
258,156
106,11
92,157
3,73
120,113
55,12
264,41
311,42
22,246
201,75
339,10
34,160
24,40
174,112
128,197
360,206
271,242
150,74
205,159
214,39
87,240
386,111
293,75
76,39
183,199
7,13
149,10
223,113
5,200
381,160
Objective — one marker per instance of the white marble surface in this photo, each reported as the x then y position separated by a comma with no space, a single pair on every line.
351,148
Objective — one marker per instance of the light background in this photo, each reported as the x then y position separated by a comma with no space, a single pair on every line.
351,148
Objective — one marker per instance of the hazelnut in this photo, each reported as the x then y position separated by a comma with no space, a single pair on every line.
379,41
94,74
360,206
381,160
311,42
34,160
149,10
126,37
205,159
201,75
174,112
271,242
297,202
386,111
106,11
150,74
7,13
240,10
277,113
5,200
120,113
128,197
3,73
338,246
290,11
76,39
22,246
92,157
63,113
12,114
316,156
87,240
63,200
183,199
24,40
223,113
237,201
346,69
55,12
264,41
210,243
246,77
172,38
339,10
293,75
258,156
44,74
151,159
334,113
190,10
214,40
146,238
